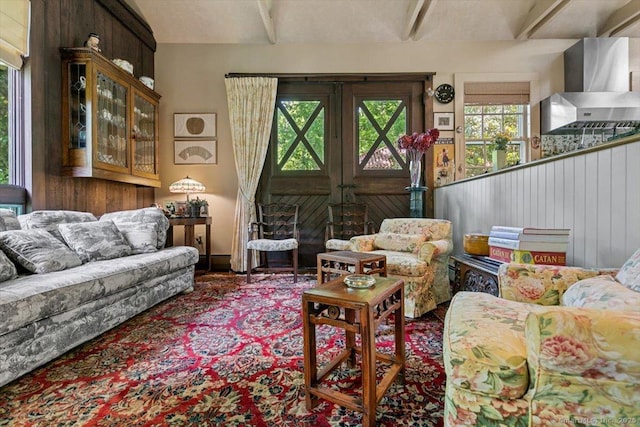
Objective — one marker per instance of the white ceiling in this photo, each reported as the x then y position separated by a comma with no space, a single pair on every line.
385,21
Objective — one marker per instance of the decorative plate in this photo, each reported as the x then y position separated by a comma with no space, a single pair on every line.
359,281
444,93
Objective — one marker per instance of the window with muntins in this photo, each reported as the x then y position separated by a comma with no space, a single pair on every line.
493,109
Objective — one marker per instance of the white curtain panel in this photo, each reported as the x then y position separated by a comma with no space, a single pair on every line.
251,103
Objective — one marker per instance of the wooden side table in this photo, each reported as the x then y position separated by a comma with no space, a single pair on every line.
339,262
189,233
357,311
475,274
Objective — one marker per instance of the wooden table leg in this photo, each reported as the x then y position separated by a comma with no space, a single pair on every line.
310,363
207,235
350,337
399,333
368,335
189,235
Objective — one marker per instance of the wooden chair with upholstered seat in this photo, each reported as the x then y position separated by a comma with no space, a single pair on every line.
276,231
346,220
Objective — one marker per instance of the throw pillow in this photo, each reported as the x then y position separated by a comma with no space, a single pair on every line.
95,241
8,270
49,220
148,215
601,292
142,236
399,242
8,220
37,250
629,274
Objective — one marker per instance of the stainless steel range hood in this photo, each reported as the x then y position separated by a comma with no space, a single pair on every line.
597,84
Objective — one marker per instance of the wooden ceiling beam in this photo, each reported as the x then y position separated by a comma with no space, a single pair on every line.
622,18
423,18
265,13
539,16
412,16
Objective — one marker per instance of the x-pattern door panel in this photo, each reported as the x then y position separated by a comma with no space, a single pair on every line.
336,142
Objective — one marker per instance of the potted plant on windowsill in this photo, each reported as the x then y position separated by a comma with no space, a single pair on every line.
195,206
499,146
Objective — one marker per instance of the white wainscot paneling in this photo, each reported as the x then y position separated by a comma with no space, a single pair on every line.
595,193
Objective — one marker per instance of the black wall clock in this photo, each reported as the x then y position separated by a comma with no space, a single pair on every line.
444,93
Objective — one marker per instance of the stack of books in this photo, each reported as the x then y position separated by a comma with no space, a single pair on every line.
528,245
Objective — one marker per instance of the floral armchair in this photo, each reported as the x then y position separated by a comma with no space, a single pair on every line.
417,251
560,347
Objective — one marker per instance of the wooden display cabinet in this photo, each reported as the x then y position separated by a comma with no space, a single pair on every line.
109,121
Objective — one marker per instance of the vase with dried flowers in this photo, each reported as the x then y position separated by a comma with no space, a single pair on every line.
415,145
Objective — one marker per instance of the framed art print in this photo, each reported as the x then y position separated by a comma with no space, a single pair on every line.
195,152
194,125
443,121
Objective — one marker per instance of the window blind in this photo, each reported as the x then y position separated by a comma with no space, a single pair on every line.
14,31
486,93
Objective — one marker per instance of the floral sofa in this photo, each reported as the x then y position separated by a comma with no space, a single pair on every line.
561,347
417,251
67,277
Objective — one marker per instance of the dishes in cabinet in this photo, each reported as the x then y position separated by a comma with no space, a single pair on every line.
125,65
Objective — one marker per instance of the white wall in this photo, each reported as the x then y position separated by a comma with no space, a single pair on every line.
595,193
190,79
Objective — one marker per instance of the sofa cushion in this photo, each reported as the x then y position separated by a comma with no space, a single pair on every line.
37,250
49,220
602,292
8,269
399,242
8,220
30,298
95,241
629,274
474,359
149,215
141,236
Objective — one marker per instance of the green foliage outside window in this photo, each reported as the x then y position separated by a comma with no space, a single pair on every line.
301,135
373,118
482,124
300,148
4,125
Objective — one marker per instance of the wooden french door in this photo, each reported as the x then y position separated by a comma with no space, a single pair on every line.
334,142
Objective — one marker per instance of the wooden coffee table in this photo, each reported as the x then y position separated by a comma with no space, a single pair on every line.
339,262
357,311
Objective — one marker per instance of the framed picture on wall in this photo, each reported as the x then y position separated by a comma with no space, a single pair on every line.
194,125
443,121
195,152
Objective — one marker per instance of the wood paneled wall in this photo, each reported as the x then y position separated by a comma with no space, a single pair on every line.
66,23
595,193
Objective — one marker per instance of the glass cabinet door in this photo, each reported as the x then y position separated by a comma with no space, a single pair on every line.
77,106
111,132
144,134
110,121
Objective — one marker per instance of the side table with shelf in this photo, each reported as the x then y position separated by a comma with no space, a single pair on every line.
189,224
475,274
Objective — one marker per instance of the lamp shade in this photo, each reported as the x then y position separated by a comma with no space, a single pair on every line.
187,185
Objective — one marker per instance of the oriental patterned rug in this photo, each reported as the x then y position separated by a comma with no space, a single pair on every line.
227,354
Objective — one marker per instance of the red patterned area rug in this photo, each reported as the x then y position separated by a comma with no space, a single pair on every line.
227,354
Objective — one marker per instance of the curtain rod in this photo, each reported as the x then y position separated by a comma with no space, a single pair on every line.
334,76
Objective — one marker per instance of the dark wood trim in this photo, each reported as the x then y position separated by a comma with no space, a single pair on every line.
130,19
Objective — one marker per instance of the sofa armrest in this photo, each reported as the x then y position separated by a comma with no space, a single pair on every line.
362,243
586,358
538,284
433,249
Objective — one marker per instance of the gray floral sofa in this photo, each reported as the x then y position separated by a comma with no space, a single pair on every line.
67,277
